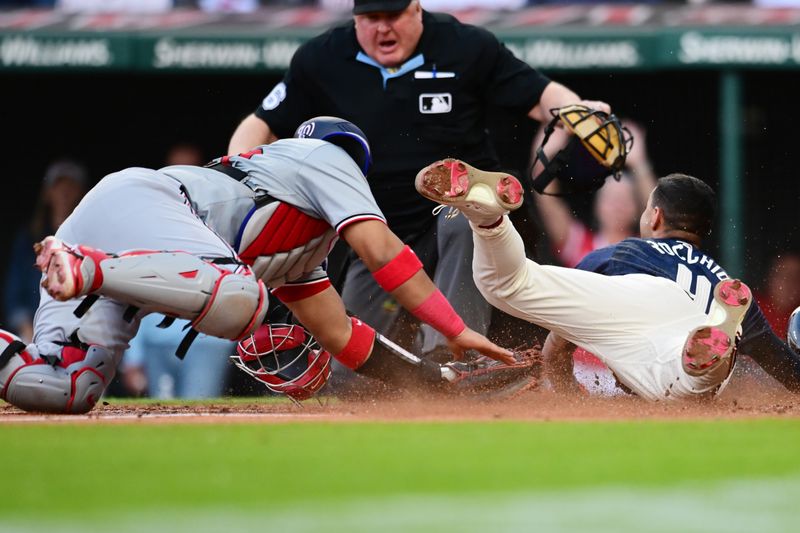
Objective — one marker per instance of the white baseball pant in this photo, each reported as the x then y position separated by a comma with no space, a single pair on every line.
636,324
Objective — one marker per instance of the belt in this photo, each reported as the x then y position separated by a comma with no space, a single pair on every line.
262,198
231,171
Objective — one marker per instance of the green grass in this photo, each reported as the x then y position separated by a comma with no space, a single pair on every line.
256,467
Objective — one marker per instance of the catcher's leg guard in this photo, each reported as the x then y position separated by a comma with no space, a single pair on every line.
219,302
13,356
71,384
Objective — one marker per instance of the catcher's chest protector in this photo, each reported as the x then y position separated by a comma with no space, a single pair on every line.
281,243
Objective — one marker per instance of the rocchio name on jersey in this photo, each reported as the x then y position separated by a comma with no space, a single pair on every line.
687,253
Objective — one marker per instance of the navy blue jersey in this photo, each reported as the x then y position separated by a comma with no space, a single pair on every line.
696,272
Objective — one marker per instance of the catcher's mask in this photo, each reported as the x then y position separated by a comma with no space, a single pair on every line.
343,134
286,359
596,149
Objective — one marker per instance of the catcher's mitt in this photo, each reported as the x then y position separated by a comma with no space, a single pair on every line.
596,149
492,379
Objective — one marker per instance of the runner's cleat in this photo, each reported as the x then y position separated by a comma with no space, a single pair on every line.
483,197
715,343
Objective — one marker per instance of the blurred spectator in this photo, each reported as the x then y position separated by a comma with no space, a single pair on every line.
26,3
776,3
115,6
150,366
65,182
185,153
228,6
615,210
782,291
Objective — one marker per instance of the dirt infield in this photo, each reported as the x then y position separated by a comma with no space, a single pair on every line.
751,393
744,399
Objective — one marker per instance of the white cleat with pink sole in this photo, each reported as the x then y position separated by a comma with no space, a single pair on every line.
483,197
714,344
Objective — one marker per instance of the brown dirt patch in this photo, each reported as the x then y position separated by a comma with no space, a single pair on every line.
746,398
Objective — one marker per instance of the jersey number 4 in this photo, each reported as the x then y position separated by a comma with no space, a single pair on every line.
702,287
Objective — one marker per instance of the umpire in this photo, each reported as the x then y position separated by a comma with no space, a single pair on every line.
419,84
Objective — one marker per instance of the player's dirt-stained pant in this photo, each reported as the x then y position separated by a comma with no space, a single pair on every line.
636,324
136,209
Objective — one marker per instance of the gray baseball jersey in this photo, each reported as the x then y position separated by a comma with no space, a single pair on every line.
317,178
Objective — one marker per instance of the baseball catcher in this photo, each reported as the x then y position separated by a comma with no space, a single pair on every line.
213,245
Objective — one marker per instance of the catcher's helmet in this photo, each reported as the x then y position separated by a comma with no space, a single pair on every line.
597,148
342,133
285,358
793,331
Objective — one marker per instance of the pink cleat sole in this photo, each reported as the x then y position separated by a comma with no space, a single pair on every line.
710,345
449,181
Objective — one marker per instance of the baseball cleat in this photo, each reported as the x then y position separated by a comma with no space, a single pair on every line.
483,197
715,343
67,272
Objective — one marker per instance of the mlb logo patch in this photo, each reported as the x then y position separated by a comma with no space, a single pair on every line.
430,103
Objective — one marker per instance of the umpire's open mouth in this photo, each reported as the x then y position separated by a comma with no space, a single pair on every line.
387,45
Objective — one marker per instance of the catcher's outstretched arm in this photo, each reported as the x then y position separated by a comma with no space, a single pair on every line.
399,272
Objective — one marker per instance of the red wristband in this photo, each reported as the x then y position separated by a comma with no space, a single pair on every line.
398,270
359,347
437,312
